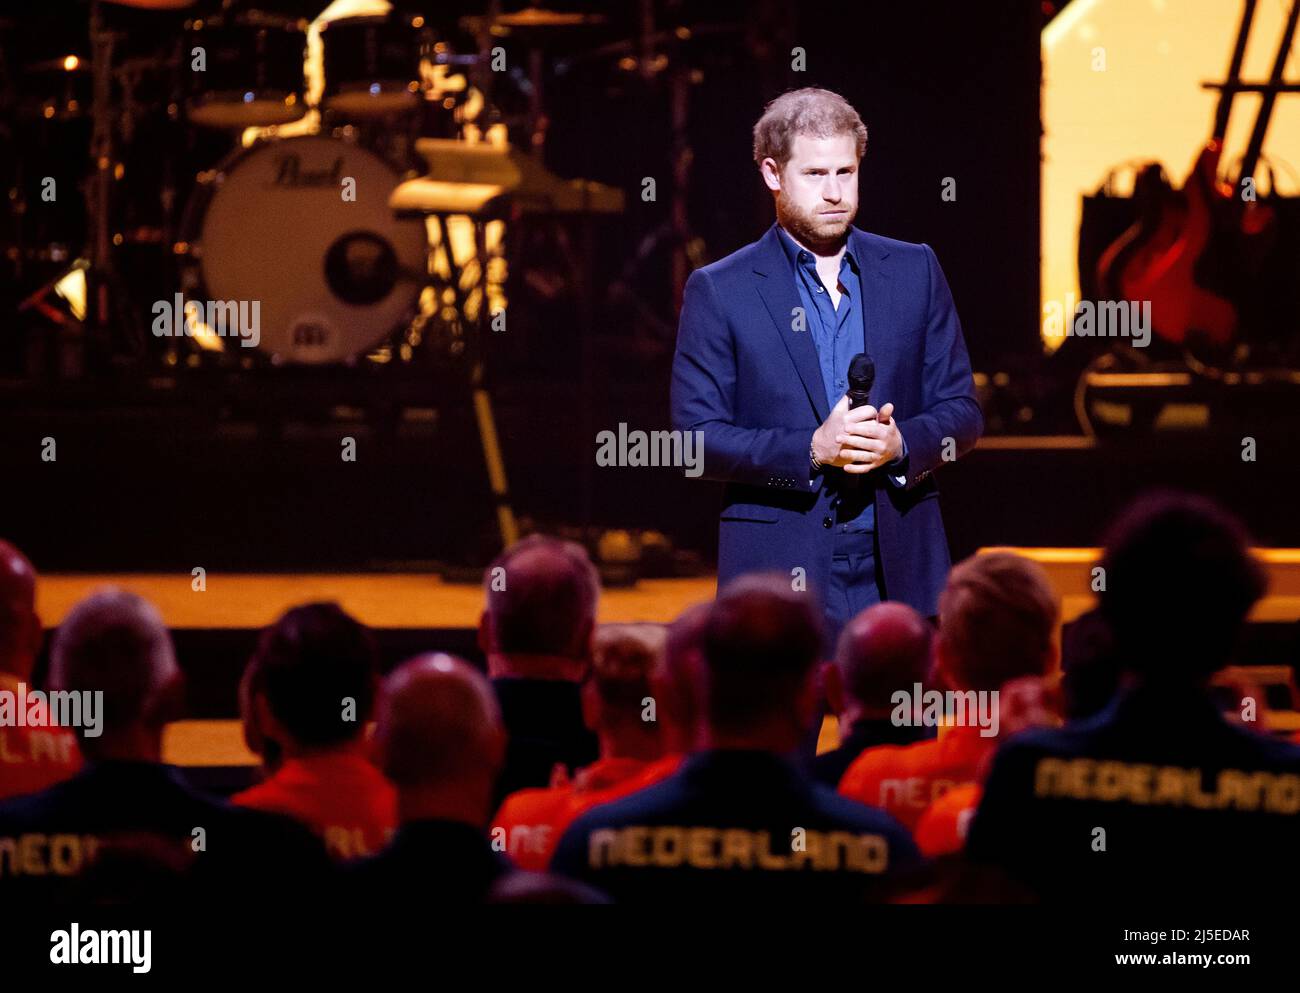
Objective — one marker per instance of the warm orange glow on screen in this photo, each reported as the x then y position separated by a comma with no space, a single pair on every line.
1145,101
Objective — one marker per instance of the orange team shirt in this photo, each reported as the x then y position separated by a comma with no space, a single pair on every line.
906,779
34,758
534,820
341,796
942,828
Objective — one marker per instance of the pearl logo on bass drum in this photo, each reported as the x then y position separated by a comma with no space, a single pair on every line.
290,173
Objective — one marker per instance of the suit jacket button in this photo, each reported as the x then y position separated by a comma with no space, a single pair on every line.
827,522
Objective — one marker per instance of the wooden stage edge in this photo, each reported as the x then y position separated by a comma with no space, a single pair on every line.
423,600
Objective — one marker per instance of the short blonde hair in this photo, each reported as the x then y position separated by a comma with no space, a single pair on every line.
997,620
813,112
624,657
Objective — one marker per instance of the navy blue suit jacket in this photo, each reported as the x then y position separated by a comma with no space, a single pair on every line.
745,377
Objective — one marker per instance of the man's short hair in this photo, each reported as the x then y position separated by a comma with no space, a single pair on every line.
761,641
624,657
307,664
1180,581
114,642
813,112
997,620
1090,672
541,593
685,641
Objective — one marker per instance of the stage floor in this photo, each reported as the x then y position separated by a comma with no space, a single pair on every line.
412,602
423,600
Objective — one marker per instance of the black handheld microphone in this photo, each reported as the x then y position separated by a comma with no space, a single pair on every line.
862,374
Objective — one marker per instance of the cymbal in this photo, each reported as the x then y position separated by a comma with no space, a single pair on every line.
536,17
154,4
532,18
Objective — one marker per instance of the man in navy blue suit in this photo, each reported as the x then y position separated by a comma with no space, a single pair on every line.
841,500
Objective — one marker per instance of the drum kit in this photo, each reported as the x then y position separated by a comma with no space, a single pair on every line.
155,152
213,140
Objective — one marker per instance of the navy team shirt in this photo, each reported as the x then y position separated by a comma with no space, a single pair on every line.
737,827
124,832
1192,807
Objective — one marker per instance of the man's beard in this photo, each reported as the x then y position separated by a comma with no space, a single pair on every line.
811,229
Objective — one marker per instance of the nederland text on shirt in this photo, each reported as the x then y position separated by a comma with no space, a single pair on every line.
663,846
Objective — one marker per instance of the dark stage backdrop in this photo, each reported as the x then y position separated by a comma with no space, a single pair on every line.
947,88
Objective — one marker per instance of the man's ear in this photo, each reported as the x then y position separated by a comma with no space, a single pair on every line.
583,647
590,705
167,703
805,701
270,729
941,671
1052,664
247,716
31,643
495,754
771,174
833,687
484,633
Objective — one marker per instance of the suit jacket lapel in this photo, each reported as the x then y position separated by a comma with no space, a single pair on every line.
877,307
776,287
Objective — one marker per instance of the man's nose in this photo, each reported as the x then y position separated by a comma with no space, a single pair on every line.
832,191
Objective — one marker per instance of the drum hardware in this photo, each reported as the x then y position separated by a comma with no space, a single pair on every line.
533,29
251,76
245,69
661,57
77,89
335,276
372,65
483,182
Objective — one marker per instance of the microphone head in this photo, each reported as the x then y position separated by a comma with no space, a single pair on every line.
862,373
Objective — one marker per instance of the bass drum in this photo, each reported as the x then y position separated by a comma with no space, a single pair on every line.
302,225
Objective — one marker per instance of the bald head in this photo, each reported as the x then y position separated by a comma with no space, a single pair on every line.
17,576
439,726
116,643
20,628
541,598
882,650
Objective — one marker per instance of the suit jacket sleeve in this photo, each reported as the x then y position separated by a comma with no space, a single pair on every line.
703,399
949,409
